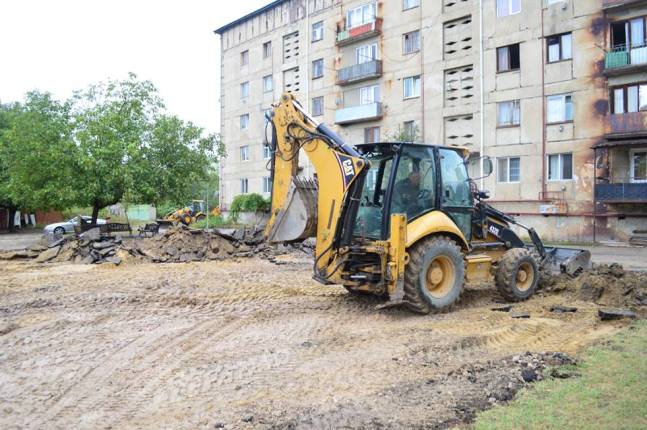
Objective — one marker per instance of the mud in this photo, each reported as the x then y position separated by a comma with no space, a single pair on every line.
605,285
246,343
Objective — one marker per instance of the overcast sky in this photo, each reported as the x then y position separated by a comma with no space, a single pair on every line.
63,45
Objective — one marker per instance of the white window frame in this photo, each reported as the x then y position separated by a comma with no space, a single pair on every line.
267,49
633,165
562,109
244,58
244,153
267,151
244,90
369,95
267,185
404,42
314,111
416,84
560,167
244,121
375,130
244,185
509,8
515,105
562,55
366,53
268,88
360,15
412,128
318,61
317,33
507,170
410,4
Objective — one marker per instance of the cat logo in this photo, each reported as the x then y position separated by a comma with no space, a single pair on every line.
348,168
494,230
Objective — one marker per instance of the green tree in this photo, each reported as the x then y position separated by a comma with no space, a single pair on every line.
403,135
37,154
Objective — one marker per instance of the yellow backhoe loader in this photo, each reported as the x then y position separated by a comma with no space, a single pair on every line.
187,215
399,220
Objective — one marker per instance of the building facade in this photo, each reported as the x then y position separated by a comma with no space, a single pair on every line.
554,91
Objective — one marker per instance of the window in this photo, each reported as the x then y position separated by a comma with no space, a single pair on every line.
412,87
639,165
560,108
507,7
317,106
366,53
268,83
317,68
508,58
360,15
267,151
410,131
508,113
244,121
410,4
509,169
244,90
371,134
549,2
411,42
369,95
560,167
244,186
244,58
317,31
267,50
267,184
244,153
629,33
560,47
629,98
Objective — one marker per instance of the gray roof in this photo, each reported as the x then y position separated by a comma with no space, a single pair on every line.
248,16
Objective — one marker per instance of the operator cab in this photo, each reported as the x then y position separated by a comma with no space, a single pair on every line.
412,179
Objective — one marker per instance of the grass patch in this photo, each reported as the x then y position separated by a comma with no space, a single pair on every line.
610,394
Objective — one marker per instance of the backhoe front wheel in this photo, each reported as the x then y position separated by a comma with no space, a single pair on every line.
434,276
517,276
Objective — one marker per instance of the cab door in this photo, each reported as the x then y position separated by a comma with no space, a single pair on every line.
455,195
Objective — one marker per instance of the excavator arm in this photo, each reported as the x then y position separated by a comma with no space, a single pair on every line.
304,207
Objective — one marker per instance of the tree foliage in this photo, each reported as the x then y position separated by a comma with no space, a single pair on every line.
402,135
109,142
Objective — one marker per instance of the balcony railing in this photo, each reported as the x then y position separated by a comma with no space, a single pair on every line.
360,32
359,72
625,56
628,123
359,113
608,4
623,192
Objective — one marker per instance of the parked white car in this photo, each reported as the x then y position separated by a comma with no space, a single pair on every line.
68,226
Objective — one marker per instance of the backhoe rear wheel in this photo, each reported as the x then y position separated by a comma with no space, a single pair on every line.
434,276
518,275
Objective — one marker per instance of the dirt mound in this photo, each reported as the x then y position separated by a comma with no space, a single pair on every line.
175,245
608,285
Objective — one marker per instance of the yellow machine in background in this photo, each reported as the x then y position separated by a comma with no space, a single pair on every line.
189,214
396,219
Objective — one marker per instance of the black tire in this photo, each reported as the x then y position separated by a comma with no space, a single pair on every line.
417,278
59,231
200,217
512,276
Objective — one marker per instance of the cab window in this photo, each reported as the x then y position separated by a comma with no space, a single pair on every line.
414,189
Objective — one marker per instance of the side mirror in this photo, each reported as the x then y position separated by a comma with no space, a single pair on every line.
488,167
474,165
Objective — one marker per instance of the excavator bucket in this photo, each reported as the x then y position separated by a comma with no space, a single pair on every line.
567,260
297,219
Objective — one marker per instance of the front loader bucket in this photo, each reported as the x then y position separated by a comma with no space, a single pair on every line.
297,219
568,260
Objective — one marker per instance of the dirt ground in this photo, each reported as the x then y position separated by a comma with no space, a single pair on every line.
248,343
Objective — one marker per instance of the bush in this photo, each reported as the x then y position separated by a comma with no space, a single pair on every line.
248,203
164,208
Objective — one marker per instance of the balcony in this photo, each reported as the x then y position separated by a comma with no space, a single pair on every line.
610,4
361,32
625,192
360,113
359,72
627,125
623,59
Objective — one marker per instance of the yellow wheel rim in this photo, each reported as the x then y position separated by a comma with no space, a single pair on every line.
525,276
440,276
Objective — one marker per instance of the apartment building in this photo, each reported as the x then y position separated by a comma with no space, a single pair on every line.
552,90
